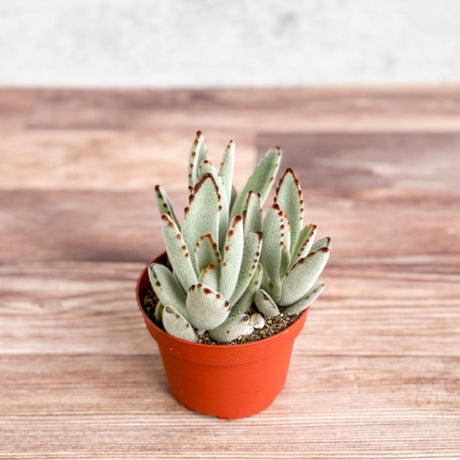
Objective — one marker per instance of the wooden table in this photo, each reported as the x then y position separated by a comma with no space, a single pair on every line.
375,372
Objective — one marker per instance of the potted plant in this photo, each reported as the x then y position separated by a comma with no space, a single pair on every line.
231,293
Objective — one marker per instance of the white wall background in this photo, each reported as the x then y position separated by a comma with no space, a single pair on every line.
187,43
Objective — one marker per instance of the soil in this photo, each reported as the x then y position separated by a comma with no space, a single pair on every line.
272,325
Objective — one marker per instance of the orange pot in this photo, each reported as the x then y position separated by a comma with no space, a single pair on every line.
229,381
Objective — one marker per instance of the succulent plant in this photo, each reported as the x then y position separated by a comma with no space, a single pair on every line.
225,257
214,254
291,261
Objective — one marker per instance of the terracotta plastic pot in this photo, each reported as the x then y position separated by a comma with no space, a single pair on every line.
229,381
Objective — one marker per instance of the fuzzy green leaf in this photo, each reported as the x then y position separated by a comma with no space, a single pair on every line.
289,198
322,243
176,325
226,170
304,243
305,302
178,254
265,304
158,311
252,213
233,328
166,287
266,283
206,167
272,243
205,307
245,301
251,256
285,259
197,155
285,237
231,257
202,215
164,205
302,276
233,199
261,179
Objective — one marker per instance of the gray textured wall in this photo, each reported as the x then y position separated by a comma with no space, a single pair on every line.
171,43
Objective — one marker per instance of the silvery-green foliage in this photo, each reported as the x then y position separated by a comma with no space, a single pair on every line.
214,253
291,261
220,264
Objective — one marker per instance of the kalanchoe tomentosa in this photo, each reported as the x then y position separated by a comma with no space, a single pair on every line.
221,263
215,261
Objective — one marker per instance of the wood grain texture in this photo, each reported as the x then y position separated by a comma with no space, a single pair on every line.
374,191
358,162
100,226
15,108
251,110
79,307
121,405
375,371
108,159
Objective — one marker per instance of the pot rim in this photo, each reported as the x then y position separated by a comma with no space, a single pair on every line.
204,345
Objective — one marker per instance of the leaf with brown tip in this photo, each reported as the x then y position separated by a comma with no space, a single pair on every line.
164,204
166,287
198,153
289,197
176,325
178,253
265,304
302,276
202,215
232,255
232,329
261,179
206,307
305,301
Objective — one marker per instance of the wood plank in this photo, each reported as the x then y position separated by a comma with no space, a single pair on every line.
367,309
407,185
378,189
66,225
109,160
391,162
15,108
124,226
133,160
249,110
332,407
374,373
